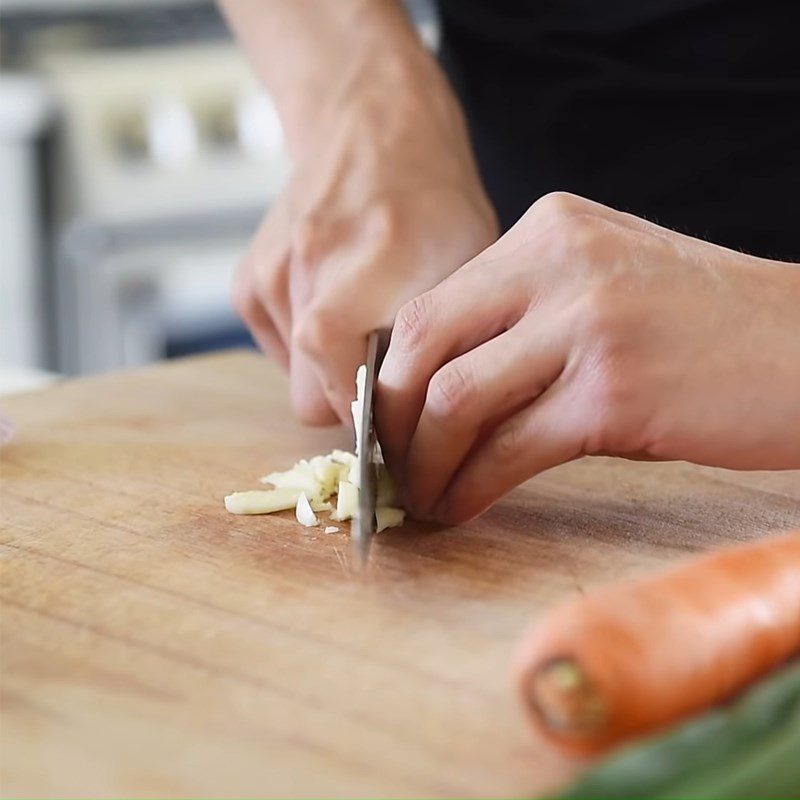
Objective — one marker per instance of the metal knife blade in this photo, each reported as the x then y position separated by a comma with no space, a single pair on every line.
364,525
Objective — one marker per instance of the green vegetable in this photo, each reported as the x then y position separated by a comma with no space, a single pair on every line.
747,749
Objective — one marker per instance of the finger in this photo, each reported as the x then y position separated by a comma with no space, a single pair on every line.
333,307
549,432
356,279
474,393
272,288
308,397
461,313
249,306
336,344
261,285
269,260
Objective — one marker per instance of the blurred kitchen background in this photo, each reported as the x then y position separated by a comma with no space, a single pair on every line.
137,154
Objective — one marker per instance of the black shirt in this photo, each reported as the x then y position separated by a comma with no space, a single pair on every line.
686,112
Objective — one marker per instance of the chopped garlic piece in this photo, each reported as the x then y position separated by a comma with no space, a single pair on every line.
388,517
261,501
346,502
345,462
387,492
318,478
326,471
304,513
343,457
342,474
295,478
309,484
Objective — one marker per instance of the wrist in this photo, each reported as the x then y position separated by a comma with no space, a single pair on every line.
375,81
315,55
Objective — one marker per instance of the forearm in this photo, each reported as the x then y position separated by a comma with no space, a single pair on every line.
306,50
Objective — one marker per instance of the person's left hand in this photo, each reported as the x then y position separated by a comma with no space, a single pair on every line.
586,331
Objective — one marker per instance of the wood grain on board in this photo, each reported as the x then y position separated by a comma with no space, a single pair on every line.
154,645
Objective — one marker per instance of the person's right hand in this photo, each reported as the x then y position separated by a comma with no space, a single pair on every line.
384,202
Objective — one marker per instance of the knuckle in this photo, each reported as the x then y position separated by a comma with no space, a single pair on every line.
414,322
559,205
585,232
401,70
611,388
604,321
240,296
244,300
306,238
310,405
260,274
316,331
507,443
268,276
612,400
384,221
451,392
579,236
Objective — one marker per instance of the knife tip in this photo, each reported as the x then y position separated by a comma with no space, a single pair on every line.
359,555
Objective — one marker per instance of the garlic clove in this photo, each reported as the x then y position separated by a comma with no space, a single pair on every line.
388,517
304,513
346,502
261,501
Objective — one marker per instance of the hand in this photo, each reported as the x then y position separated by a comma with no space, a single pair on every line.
586,331
385,201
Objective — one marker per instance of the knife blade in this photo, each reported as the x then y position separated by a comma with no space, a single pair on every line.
364,527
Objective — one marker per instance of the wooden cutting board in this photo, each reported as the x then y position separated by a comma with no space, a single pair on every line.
153,645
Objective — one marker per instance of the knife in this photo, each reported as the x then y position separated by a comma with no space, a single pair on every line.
364,527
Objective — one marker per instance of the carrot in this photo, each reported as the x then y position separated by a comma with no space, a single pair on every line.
633,657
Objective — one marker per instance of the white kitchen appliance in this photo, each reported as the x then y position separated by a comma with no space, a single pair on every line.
165,155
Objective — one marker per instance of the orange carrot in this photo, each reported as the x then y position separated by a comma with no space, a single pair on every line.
630,658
